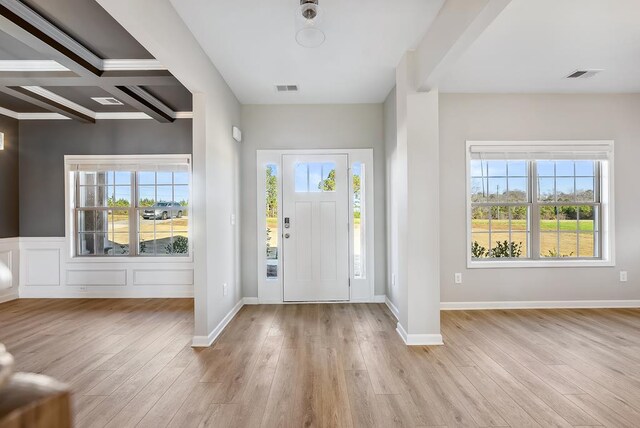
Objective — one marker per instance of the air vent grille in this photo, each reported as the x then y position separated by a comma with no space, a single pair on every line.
287,88
107,101
583,74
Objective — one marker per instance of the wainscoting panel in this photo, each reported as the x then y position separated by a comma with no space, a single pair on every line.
163,277
97,277
45,263
42,266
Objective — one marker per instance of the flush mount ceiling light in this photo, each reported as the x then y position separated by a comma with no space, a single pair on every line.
308,20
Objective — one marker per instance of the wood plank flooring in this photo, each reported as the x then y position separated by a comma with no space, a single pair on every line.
129,363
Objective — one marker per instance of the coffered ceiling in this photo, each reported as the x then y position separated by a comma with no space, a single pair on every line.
57,55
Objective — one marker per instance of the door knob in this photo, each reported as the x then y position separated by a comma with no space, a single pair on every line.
286,235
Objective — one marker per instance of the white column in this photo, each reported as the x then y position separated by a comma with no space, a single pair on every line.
199,215
418,207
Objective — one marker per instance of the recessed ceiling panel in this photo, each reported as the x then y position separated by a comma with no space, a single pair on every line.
82,95
12,49
91,25
17,105
176,97
253,45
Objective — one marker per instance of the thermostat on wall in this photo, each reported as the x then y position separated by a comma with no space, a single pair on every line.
237,134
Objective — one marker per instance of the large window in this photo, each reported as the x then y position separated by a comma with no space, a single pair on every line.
541,202
140,209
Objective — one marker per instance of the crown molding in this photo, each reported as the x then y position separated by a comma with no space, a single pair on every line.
107,65
132,65
41,116
31,66
9,113
133,115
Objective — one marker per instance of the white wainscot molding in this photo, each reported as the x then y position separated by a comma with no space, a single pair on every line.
9,268
46,272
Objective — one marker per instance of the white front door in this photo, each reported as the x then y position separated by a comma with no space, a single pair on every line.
316,227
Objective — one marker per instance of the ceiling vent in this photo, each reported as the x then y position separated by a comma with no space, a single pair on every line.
287,88
107,101
583,74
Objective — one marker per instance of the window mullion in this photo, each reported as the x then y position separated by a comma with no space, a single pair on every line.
597,221
535,211
133,216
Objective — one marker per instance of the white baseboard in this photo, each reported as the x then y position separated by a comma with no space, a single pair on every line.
392,308
436,339
8,297
138,292
206,341
256,301
418,339
561,304
380,298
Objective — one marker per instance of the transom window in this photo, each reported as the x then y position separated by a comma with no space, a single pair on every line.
130,210
315,177
535,203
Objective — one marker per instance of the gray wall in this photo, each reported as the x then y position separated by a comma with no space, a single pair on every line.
9,211
308,127
539,117
43,145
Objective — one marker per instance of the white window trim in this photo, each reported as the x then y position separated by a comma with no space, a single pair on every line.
272,290
70,160
607,190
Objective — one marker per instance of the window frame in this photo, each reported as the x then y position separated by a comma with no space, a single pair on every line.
603,190
71,212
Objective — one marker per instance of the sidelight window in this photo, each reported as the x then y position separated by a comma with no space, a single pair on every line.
271,220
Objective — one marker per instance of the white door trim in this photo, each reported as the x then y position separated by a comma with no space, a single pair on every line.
271,290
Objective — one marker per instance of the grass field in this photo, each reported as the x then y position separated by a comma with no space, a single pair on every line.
557,238
545,225
163,228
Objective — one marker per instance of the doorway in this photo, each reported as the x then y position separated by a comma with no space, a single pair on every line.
315,194
315,225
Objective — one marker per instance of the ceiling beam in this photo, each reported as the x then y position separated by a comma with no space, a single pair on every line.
143,101
49,103
56,79
26,25
458,24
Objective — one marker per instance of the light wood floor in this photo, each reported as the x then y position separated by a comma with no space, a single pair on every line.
130,364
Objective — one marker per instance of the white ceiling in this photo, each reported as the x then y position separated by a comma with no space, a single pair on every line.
534,44
252,43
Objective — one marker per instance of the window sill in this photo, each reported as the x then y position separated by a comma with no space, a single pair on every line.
128,260
540,264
